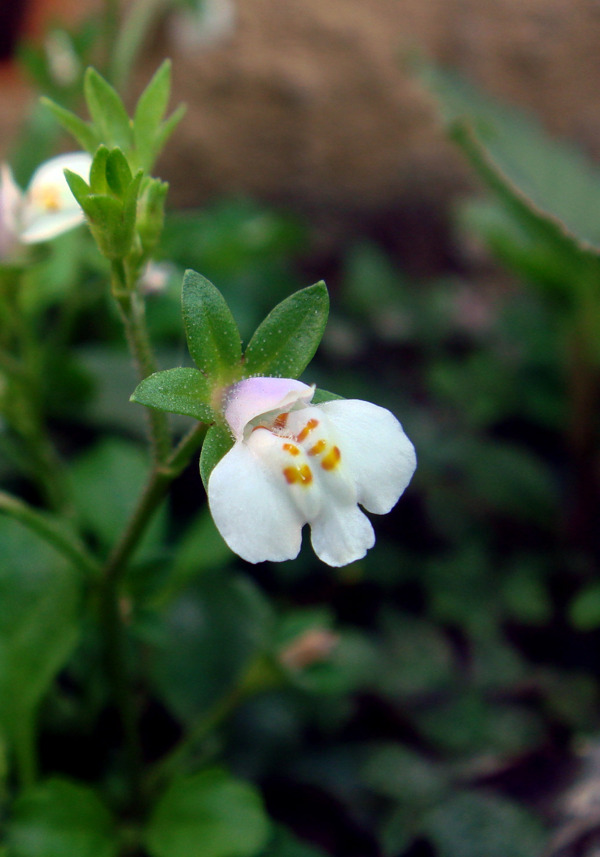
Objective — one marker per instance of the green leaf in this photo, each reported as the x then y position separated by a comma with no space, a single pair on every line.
205,641
107,481
200,549
285,342
179,391
118,174
60,818
217,442
471,824
149,112
584,609
212,334
167,128
39,621
84,133
210,813
548,184
107,111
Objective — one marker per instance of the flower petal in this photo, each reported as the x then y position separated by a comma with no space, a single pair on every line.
252,397
375,450
252,509
49,207
341,534
10,202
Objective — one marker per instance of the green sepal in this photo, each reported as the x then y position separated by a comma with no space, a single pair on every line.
285,342
85,134
148,132
212,335
107,111
320,396
79,187
118,174
178,391
217,443
98,182
151,212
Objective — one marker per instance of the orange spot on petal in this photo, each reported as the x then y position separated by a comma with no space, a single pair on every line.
318,448
298,475
332,459
291,448
304,433
280,421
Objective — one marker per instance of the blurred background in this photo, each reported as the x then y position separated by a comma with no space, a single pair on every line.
457,714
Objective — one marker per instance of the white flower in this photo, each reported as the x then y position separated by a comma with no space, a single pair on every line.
294,463
46,208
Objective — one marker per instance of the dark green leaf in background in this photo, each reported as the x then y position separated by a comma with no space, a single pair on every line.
107,480
475,824
209,814
39,621
60,818
207,638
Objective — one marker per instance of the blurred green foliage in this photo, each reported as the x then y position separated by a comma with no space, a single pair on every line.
462,649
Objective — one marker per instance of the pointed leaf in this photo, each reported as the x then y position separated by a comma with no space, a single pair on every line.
179,391
83,132
167,128
212,334
60,818
534,174
107,111
149,112
218,441
223,815
118,174
285,342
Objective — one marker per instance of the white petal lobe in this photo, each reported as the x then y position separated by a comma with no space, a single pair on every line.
341,534
252,509
375,450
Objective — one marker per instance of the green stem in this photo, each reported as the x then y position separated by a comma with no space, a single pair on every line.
133,315
51,531
116,652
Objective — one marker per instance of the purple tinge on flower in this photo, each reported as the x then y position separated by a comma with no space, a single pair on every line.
294,463
47,207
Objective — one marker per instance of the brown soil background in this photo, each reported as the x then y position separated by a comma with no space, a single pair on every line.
307,104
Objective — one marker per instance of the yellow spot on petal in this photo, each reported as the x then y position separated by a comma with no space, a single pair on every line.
332,459
304,433
48,197
298,475
291,448
318,448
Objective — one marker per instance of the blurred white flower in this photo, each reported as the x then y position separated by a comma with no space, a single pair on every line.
46,208
294,463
